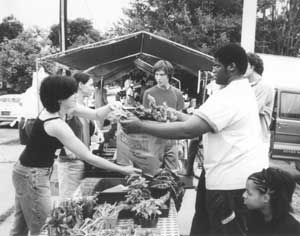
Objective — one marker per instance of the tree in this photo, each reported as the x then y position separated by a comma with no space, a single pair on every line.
278,27
79,32
207,24
18,55
200,24
10,28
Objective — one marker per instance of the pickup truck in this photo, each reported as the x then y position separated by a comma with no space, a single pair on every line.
285,129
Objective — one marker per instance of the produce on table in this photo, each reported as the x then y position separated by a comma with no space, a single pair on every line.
82,217
147,209
160,113
139,199
137,189
167,180
105,217
70,214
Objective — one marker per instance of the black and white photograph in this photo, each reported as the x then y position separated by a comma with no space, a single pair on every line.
150,117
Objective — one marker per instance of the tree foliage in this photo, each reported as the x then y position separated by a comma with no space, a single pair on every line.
10,28
207,24
200,24
17,58
79,32
278,27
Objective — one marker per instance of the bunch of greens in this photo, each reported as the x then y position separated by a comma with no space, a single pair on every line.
137,189
82,216
139,199
165,179
70,214
147,209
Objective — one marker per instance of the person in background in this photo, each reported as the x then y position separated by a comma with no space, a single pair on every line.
264,93
118,89
29,110
30,105
31,173
268,197
128,87
229,123
163,92
100,95
143,87
70,167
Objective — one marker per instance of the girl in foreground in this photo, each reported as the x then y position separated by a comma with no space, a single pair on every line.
31,174
268,197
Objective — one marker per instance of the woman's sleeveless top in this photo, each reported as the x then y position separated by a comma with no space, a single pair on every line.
41,147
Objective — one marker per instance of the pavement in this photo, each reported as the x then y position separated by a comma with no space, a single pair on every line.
8,156
10,150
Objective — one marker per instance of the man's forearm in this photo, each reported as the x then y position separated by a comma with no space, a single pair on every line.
181,116
171,130
193,127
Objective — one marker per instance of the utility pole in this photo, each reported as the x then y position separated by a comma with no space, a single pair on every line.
249,25
62,24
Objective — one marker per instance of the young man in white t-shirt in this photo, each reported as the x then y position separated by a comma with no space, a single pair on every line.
265,94
230,126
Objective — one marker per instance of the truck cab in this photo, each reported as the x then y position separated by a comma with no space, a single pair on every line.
285,139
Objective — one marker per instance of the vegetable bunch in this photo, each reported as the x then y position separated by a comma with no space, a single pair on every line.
137,189
101,220
82,217
157,113
166,179
139,200
70,214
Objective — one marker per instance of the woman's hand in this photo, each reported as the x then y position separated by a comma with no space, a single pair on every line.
128,170
131,124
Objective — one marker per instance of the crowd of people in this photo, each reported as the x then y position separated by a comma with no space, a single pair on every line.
234,148
237,194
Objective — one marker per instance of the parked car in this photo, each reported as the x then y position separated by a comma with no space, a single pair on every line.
285,140
10,108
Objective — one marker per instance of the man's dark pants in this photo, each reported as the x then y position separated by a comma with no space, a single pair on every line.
214,211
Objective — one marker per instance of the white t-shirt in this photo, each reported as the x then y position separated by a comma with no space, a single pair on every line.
232,152
264,93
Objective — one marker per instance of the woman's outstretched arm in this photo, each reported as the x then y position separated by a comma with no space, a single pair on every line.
59,129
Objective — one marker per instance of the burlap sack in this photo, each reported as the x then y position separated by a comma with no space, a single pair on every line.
142,150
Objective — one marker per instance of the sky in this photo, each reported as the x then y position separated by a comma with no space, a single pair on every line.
45,13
